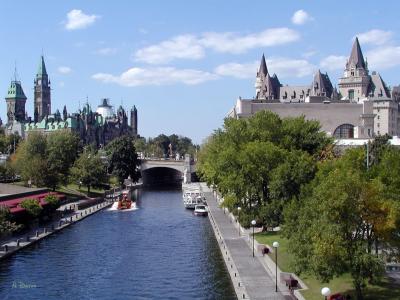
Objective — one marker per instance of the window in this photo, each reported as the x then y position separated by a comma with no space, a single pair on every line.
351,94
344,131
379,117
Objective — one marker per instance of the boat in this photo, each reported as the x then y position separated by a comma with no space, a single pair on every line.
191,201
200,210
124,202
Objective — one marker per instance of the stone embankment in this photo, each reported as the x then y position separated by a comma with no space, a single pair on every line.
249,276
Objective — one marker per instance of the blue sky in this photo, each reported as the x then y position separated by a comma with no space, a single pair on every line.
184,64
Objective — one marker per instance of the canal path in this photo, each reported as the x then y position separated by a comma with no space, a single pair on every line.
160,251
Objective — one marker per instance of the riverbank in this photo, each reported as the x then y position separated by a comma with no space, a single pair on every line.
11,247
249,276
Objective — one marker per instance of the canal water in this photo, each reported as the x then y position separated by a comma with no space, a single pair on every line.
160,251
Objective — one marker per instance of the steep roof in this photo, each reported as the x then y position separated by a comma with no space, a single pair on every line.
378,86
263,66
15,91
322,84
356,56
42,68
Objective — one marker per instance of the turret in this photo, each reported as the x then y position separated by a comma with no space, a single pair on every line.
134,121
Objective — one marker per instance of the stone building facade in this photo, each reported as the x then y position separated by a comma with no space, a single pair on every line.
93,127
362,107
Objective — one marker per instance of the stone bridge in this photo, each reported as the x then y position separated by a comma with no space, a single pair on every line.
167,171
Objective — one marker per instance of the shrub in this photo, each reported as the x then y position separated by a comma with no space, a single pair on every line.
32,206
53,201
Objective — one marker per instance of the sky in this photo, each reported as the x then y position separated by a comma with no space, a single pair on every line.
184,64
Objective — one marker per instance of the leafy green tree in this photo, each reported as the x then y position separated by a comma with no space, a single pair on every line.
62,151
341,214
32,206
30,159
122,159
263,161
89,169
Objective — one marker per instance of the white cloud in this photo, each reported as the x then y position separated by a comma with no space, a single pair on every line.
237,70
106,51
229,42
64,70
61,84
156,76
375,37
286,67
76,19
383,57
333,62
193,47
309,54
183,46
300,17
283,67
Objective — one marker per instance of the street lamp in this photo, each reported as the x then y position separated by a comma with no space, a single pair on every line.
239,209
326,292
253,223
276,245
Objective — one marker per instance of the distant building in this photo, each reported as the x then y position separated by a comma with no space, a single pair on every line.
93,127
362,107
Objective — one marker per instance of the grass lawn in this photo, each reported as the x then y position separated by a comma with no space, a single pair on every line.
73,186
385,290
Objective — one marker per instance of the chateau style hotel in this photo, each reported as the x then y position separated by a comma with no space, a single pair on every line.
363,107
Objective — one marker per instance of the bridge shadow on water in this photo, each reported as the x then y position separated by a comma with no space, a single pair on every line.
162,177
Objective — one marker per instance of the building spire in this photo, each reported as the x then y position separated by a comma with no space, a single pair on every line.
42,68
356,56
263,66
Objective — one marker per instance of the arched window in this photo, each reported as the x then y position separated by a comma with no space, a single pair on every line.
344,131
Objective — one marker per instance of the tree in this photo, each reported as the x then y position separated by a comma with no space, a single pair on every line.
30,159
262,161
32,207
62,150
341,214
122,159
89,169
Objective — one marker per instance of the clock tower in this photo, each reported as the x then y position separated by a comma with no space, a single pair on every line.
42,99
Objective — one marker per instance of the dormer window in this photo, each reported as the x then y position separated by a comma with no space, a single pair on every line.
352,72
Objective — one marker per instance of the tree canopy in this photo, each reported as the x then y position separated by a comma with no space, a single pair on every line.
122,159
262,162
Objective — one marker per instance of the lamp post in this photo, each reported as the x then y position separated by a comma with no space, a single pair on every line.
239,209
326,292
253,223
276,245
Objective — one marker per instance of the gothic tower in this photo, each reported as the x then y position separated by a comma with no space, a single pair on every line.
42,100
134,121
355,81
16,100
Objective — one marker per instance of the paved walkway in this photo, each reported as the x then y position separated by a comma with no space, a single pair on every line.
258,283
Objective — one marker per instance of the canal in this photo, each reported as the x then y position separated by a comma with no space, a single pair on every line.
160,251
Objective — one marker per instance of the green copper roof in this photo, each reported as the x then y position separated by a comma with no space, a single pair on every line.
15,91
42,68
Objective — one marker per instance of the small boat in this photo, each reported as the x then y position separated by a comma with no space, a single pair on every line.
124,203
190,202
200,210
